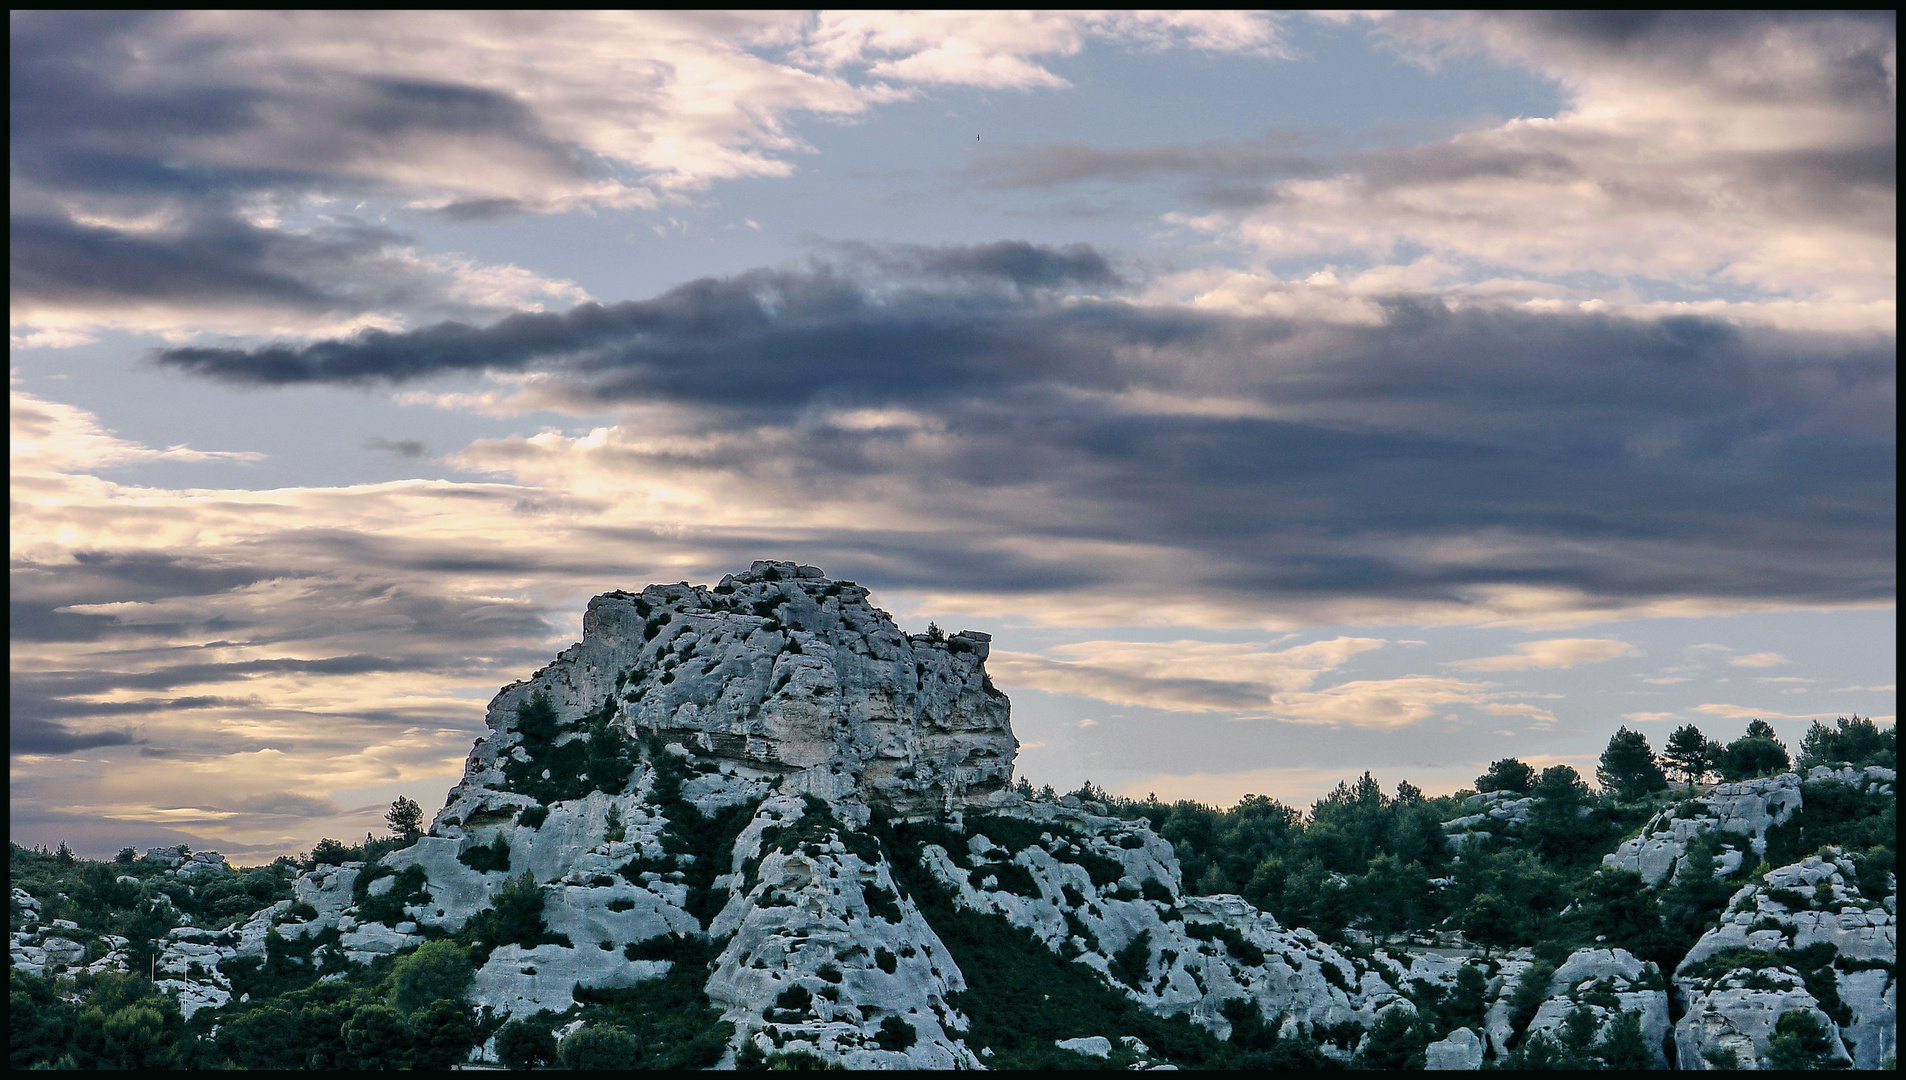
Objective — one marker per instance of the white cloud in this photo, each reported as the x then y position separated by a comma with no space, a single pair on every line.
1759,659
1647,717
1742,712
1701,163
1182,676
1520,710
1552,653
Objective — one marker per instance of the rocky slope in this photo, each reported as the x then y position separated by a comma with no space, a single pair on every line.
766,789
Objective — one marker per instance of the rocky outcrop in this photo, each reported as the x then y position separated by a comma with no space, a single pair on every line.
1747,809
824,947
1803,938
778,673
1459,1050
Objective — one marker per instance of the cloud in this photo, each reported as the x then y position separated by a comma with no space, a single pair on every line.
998,395
1529,711
1740,168
1553,653
1648,717
1375,703
1742,712
1759,659
192,173
1181,676
26,735
404,448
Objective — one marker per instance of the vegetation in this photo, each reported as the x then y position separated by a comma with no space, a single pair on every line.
1358,864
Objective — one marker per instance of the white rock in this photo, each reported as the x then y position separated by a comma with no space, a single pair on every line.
1461,1049
1093,1045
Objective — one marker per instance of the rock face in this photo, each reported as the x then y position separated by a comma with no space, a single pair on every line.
778,673
1802,938
1460,1050
1747,809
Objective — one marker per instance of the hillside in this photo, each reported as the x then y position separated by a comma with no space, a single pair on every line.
756,824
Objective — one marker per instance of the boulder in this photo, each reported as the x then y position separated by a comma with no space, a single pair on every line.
1461,1049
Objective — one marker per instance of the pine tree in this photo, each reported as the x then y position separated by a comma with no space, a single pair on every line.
1689,754
1628,767
406,818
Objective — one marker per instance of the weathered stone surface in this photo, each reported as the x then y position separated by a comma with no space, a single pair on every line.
1733,1008
781,673
813,914
1461,1049
1746,809
1588,978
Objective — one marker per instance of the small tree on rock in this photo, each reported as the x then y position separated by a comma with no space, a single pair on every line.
1689,754
1628,768
406,818
1509,774
1758,752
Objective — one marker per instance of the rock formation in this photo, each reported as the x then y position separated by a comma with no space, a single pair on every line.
767,791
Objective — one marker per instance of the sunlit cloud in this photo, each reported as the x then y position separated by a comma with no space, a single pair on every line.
1759,659
1552,653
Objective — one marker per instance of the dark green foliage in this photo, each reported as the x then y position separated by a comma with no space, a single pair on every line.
598,1047
1857,742
405,818
1759,752
881,903
1509,774
526,1043
1835,813
1262,1049
439,970
1628,767
1132,964
896,1034
1801,1041
411,888
611,756
1689,754
1007,877
1396,1042
669,1017
1021,996
491,859
378,1038
531,817
442,1035
885,960
1234,940
121,1022
515,917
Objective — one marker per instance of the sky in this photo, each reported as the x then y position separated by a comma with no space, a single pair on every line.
1289,395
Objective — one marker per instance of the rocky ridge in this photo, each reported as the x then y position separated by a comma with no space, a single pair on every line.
772,773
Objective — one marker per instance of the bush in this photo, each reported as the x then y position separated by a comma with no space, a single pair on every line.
378,1037
1509,774
896,1034
1757,753
440,970
598,1047
443,1035
526,1044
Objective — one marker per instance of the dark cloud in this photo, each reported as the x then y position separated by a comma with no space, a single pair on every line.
1620,457
26,735
213,260
144,155
404,448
